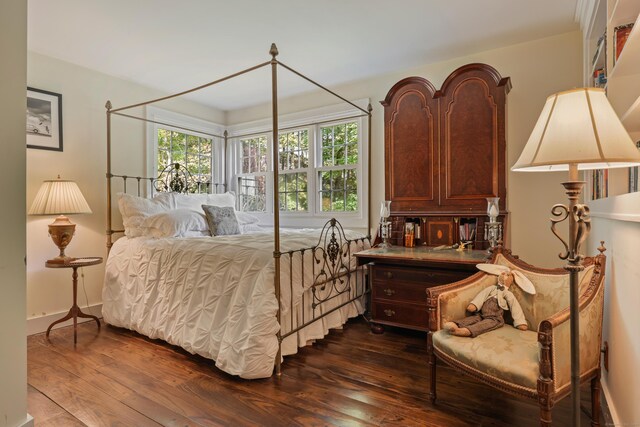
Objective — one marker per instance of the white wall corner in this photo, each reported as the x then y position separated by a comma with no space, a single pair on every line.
38,325
585,10
615,418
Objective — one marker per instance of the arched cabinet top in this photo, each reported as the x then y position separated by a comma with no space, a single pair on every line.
418,82
476,69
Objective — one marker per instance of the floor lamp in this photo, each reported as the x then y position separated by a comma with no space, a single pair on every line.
577,130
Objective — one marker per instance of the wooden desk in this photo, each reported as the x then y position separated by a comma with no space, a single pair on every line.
75,311
400,277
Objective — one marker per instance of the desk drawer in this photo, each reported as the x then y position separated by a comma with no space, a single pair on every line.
396,291
425,276
405,315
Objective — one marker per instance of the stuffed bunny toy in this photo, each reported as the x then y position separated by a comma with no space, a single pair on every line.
489,304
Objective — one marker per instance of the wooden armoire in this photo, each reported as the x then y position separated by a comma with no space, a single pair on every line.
445,153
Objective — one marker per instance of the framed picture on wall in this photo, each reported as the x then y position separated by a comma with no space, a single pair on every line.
44,119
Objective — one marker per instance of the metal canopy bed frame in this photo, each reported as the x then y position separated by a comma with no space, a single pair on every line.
331,256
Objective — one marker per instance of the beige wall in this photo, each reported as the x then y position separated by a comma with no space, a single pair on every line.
84,93
13,347
537,69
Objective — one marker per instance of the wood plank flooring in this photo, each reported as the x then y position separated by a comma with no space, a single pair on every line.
116,377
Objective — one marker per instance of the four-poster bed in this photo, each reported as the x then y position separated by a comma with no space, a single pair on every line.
287,297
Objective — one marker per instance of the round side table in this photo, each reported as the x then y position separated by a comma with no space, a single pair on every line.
75,311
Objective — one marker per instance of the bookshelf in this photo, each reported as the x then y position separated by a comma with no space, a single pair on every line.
608,18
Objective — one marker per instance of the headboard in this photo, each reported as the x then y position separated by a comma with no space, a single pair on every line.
173,178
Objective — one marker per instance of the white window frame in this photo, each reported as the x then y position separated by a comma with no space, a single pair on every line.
189,125
325,116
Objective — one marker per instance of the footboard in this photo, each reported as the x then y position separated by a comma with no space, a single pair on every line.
335,281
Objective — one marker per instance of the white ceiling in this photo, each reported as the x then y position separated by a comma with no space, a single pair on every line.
174,45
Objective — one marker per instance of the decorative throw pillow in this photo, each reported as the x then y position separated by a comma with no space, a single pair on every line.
222,220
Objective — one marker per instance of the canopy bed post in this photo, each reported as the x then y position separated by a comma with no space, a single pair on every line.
276,196
369,109
109,228
225,156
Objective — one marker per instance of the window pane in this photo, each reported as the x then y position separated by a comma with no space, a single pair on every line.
252,193
340,144
339,190
254,154
194,153
292,189
163,159
163,139
293,150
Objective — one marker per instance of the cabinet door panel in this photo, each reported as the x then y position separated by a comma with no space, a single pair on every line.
473,145
411,154
470,141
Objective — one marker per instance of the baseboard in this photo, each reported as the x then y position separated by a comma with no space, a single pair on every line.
28,422
38,325
610,402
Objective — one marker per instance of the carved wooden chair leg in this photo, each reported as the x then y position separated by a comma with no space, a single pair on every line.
545,412
595,401
432,365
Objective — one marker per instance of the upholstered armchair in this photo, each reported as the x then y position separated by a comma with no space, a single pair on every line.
534,363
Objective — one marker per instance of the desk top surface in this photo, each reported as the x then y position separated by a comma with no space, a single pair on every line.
423,253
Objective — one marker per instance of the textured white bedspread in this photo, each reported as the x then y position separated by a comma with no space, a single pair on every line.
214,296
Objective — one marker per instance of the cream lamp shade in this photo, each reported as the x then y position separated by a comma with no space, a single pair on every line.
60,197
579,128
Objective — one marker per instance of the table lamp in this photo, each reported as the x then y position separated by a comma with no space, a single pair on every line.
577,130
60,197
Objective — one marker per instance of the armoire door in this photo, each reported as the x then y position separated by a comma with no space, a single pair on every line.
472,138
411,146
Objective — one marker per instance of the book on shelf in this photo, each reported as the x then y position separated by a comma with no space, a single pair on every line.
467,230
620,36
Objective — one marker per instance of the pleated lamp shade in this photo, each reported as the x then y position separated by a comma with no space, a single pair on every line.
578,127
59,197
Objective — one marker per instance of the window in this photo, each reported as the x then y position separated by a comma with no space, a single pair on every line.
293,161
337,174
252,180
194,143
193,152
320,170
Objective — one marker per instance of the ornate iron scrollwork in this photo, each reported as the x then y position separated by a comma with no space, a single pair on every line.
332,254
176,178
580,214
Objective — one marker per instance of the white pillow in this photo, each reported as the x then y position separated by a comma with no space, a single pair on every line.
246,218
194,202
176,223
251,228
135,209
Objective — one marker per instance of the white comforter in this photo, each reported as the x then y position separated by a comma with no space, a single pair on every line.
214,296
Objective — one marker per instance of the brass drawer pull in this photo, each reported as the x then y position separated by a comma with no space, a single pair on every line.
389,313
389,292
388,275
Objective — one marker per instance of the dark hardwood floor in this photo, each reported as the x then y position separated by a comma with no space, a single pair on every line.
117,377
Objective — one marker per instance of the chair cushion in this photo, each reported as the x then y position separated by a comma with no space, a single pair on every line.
506,353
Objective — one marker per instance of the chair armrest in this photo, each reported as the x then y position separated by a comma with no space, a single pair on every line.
554,334
449,302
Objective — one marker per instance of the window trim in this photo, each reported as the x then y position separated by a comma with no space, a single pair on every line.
313,120
194,126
